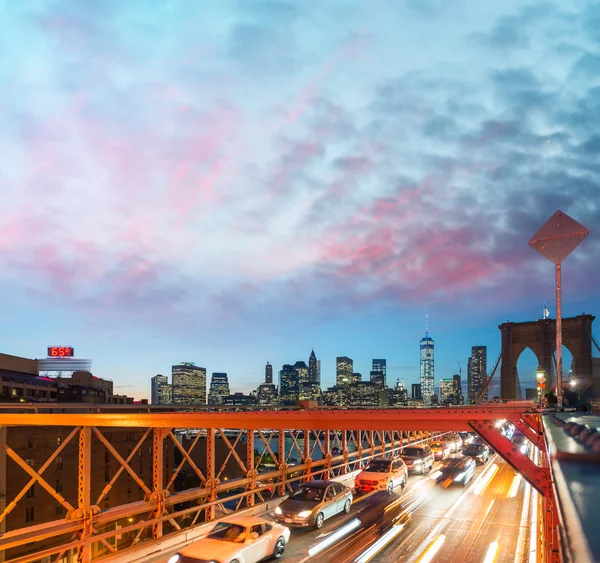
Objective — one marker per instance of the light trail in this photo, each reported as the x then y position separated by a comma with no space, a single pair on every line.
489,509
492,552
486,479
533,539
514,488
379,544
332,538
432,550
523,525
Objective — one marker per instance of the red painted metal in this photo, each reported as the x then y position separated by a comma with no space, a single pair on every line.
531,428
382,431
537,477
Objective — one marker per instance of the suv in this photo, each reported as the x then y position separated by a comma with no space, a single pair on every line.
418,459
454,440
383,474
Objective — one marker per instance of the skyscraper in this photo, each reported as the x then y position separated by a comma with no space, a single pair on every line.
344,367
289,385
427,368
268,373
416,392
477,374
447,391
378,374
458,395
219,388
311,388
157,393
189,384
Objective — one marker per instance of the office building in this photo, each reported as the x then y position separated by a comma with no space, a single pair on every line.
427,369
344,367
268,373
289,385
364,394
477,375
189,384
416,392
447,391
314,375
458,394
378,372
157,382
219,388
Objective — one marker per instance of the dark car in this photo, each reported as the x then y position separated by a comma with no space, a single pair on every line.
478,451
467,438
456,470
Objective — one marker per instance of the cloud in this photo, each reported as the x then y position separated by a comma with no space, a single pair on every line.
270,164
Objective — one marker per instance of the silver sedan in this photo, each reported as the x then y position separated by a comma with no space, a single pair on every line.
313,502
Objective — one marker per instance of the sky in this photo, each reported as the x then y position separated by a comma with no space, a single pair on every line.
231,182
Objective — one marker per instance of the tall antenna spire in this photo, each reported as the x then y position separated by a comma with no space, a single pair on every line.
426,326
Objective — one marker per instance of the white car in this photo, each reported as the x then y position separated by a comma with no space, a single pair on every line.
239,539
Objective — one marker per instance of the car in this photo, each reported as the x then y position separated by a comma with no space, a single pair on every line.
467,438
454,440
382,474
478,451
314,502
418,458
455,470
441,450
237,539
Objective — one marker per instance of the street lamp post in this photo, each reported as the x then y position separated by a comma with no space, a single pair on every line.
557,238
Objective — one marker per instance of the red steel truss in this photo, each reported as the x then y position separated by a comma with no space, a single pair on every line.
344,438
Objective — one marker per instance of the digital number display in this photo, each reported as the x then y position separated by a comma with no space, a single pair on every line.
61,352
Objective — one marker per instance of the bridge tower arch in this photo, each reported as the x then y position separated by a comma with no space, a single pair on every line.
540,336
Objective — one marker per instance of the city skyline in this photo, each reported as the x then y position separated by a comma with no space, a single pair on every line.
238,183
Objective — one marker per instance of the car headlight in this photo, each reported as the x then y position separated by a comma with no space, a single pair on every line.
277,511
417,461
304,514
174,558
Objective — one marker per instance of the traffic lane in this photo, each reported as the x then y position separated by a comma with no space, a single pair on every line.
470,524
369,509
374,520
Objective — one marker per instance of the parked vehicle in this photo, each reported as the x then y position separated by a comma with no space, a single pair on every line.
384,474
314,502
235,540
418,458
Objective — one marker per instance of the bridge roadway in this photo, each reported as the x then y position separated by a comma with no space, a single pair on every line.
469,520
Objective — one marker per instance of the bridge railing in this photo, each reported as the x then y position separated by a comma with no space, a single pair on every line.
91,531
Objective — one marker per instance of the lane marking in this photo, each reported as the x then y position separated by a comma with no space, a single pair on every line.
432,550
492,552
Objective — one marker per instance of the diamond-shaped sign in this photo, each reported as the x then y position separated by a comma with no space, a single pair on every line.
558,237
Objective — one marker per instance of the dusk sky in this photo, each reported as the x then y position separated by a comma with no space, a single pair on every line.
234,182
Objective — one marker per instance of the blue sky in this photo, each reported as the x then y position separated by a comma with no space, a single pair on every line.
234,182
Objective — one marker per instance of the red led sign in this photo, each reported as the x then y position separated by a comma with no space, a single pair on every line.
60,352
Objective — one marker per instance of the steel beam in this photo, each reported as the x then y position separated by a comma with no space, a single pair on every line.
530,427
211,481
449,419
537,477
251,472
